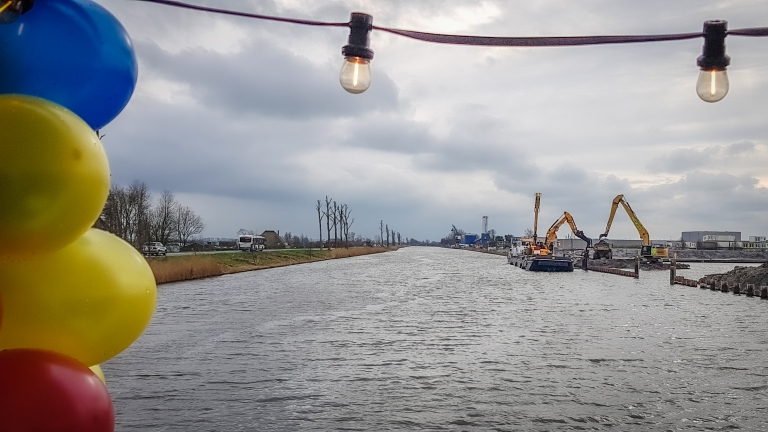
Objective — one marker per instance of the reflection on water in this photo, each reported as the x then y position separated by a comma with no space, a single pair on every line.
440,339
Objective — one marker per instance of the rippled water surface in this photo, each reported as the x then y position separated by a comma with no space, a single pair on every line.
438,339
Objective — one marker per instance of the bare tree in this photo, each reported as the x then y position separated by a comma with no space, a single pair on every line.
346,223
399,239
320,221
163,218
140,198
335,224
328,218
111,217
381,228
387,229
126,213
349,224
243,231
188,224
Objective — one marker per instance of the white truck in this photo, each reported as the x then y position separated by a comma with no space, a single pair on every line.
251,243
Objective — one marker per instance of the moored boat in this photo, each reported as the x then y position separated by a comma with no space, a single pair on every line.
547,263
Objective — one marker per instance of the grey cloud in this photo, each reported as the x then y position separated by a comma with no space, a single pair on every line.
712,201
472,157
554,120
191,150
266,80
683,160
740,148
389,134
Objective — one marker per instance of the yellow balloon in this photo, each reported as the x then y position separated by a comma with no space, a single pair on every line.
89,300
96,369
54,176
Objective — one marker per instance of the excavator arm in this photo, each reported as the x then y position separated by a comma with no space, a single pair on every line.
536,216
552,232
632,216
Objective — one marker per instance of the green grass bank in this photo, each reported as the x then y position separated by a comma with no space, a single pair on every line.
188,267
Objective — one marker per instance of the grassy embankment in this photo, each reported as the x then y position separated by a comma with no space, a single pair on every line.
188,267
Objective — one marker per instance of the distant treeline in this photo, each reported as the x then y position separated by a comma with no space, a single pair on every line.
337,216
131,215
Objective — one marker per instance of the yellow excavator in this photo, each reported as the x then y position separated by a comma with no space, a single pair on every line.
602,249
552,232
534,247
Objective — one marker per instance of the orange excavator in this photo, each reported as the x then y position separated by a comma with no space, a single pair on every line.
552,232
537,255
651,253
535,247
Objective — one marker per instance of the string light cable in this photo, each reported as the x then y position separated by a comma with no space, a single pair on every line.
355,75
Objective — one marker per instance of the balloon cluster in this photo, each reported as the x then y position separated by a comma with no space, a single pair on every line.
71,296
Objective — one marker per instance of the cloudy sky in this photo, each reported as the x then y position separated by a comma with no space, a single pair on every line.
245,120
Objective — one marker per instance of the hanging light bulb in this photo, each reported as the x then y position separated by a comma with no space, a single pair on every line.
355,75
11,10
712,85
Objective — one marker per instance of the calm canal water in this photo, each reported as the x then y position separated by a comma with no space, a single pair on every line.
438,339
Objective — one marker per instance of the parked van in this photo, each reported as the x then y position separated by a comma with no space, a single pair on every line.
153,248
251,243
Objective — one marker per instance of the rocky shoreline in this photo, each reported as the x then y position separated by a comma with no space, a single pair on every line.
757,276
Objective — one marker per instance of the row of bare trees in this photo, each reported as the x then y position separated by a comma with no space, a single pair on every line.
392,238
336,216
131,215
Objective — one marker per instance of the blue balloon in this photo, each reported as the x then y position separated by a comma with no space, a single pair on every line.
72,52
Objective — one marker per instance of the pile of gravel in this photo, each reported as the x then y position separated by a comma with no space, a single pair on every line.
743,275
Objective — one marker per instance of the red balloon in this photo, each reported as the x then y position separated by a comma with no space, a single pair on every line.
44,391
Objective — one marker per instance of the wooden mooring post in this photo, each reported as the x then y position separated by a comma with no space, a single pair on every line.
672,270
637,267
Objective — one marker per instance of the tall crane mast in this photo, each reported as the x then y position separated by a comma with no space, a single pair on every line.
536,217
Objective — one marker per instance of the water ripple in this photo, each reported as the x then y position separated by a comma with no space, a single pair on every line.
436,339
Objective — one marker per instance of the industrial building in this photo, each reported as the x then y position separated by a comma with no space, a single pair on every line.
699,236
721,240
710,240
